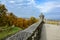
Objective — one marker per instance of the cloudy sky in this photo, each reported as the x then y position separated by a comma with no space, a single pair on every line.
28,8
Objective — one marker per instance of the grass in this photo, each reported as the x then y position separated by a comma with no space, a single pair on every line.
8,32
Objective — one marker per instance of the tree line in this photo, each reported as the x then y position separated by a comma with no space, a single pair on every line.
9,19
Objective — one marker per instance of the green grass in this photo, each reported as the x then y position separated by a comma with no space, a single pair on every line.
8,31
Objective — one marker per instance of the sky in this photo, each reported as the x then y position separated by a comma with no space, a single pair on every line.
28,8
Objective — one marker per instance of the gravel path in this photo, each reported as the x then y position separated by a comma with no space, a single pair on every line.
50,32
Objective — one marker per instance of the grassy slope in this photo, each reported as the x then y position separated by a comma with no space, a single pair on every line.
9,32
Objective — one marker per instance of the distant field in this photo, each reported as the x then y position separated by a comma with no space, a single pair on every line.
53,22
8,31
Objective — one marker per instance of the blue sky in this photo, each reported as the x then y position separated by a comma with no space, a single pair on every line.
28,8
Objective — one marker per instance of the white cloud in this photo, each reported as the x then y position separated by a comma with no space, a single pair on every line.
27,2
47,6
23,7
22,2
12,1
57,5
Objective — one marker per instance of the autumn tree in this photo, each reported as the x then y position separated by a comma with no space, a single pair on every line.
11,19
25,23
3,17
19,22
33,20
